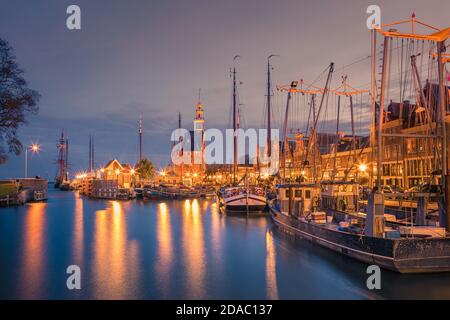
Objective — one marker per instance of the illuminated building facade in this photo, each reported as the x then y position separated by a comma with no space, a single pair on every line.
194,170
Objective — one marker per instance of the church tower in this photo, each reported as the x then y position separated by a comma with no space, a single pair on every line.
199,121
199,134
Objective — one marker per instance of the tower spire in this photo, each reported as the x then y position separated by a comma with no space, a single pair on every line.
199,109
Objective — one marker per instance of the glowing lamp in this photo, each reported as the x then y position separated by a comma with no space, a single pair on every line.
362,167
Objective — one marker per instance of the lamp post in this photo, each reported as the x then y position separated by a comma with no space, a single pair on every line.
35,148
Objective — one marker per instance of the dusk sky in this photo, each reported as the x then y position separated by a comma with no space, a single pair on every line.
153,56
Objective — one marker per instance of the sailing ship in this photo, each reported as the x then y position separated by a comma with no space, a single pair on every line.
240,197
62,176
327,213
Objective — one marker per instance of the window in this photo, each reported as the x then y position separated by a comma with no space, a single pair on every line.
308,194
287,193
298,193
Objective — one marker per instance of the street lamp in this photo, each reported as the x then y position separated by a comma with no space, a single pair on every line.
362,167
35,148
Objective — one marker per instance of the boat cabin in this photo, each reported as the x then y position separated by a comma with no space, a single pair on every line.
299,200
340,196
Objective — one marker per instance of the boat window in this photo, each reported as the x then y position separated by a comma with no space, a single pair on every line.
298,193
287,193
308,194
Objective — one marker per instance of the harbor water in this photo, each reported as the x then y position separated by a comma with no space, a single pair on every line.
176,249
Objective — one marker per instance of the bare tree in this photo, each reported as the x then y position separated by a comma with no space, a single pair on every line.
16,101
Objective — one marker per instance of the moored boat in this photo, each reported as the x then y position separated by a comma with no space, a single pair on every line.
243,199
428,250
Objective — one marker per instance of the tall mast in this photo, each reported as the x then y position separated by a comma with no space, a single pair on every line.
443,216
61,158
352,119
269,112
140,137
442,107
312,140
179,126
285,124
90,153
337,138
381,112
67,160
373,105
313,105
234,121
180,140
349,91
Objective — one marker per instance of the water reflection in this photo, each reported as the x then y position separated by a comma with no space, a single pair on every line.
33,252
165,249
78,232
194,251
187,247
109,252
216,236
271,268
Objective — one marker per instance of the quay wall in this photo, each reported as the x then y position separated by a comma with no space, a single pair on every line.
22,190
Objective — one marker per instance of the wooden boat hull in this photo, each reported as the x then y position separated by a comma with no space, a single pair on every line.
243,204
402,255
